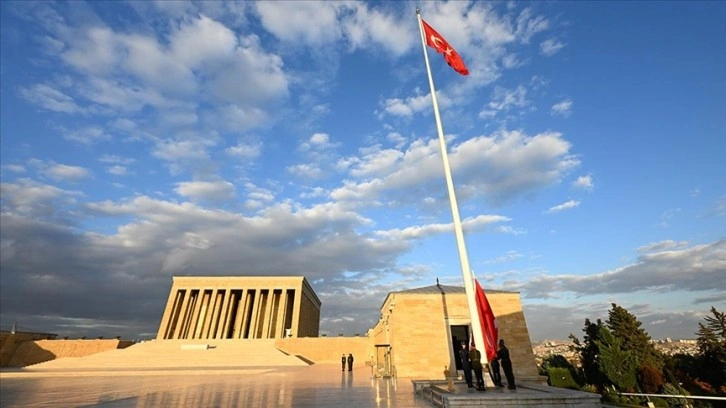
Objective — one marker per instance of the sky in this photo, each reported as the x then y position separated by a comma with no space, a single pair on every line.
146,140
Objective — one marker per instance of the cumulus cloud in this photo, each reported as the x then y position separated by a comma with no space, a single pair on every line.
696,268
206,190
564,206
499,168
584,182
662,245
563,108
247,151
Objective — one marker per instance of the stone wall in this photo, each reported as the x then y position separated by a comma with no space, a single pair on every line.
416,325
9,343
31,352
328,349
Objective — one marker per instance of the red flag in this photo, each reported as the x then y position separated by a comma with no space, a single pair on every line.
489,327
437,42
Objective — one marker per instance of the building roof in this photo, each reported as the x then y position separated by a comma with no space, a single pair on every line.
439,289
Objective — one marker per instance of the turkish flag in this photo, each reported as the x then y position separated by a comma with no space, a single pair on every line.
437,42
488,322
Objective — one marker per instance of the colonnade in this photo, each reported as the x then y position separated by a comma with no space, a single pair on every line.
235,308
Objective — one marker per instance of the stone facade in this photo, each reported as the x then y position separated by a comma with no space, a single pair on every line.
416,332
232,307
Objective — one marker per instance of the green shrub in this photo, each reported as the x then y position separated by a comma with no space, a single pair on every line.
562,378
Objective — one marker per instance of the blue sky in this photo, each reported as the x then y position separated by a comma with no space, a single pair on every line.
143,140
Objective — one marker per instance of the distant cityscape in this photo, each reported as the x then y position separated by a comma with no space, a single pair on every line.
667,346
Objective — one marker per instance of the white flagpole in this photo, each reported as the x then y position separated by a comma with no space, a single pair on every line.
463,258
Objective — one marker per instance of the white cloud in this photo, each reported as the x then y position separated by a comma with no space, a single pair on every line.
206,190
31,198
305,171
203,42
470,225
550,47
408,106
697,268
246,151
663,245
50,98
110,158
504,100
528,25
564,206
15,168
498,168
174,150
86,135
306,22
563,108
117,170
508,257
584,182
66,172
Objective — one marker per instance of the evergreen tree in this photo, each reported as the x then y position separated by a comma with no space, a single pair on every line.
626,327
712,349
618,364
589,352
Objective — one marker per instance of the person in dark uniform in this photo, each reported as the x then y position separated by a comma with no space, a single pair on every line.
495,373
465,364
475,358
350,362
503,356
343,362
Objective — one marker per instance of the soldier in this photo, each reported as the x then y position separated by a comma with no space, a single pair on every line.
503,356
342,360
465,364
350,362
495,373
475,357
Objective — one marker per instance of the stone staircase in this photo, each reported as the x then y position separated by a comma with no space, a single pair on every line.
167,354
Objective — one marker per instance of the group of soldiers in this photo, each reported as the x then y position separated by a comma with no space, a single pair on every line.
471,360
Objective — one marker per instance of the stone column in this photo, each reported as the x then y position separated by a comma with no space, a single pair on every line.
209,316
268,314
181,318
255,314
296,313
227,311
203,313
195,314
168,313
281,311
245,312
237,332
223,314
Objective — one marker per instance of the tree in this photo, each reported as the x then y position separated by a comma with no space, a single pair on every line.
618,364
559,364
626,327
712,349
589,352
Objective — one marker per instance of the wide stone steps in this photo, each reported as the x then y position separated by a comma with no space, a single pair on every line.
158,354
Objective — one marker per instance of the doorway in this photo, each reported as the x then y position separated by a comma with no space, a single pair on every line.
459,334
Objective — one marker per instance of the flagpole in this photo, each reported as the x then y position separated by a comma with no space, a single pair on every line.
458,230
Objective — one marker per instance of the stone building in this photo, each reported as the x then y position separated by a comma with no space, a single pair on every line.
417,335
240,307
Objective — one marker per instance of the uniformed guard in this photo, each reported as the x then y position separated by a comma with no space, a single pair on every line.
465,364
503,356
350,362
475,358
